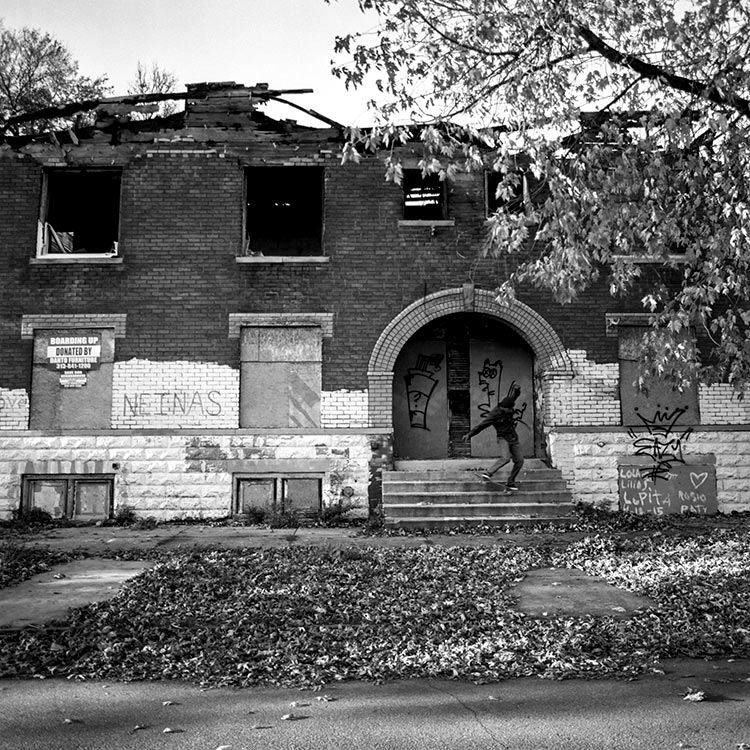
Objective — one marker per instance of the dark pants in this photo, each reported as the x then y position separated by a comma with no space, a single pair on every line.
517,458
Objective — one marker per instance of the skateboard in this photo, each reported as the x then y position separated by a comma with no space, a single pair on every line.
497,485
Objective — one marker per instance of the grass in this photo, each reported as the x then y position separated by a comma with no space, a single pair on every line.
302,616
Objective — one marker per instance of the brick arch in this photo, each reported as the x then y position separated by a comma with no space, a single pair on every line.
551,359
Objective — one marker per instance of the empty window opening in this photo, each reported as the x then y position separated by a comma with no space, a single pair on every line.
263,495
424,196
520,191
284,211
81,212
73,497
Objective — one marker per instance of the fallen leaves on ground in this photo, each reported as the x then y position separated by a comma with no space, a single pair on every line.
306,616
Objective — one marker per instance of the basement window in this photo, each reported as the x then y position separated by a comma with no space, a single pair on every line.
80,215
424,196
284,214
74,497
264,495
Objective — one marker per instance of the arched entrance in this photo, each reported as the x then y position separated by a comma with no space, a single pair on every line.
516,326
448,376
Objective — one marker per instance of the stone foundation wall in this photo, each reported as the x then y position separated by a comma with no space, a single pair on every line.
189,475
589,460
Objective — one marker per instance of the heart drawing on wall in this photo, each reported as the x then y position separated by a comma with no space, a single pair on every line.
698,479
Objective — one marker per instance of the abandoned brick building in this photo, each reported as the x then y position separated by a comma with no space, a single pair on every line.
210,314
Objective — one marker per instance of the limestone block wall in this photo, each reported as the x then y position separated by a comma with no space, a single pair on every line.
588,461
188,475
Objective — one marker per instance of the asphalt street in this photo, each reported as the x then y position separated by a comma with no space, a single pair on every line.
525,714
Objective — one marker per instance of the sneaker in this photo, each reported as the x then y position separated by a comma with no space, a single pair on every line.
486,476
511,486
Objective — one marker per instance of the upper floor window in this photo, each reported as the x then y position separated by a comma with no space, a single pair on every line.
525,191
80,213
424,196
284,211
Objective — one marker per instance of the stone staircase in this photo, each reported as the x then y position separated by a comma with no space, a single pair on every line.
442,494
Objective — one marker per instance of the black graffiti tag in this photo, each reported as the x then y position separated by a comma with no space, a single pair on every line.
420,383
663,443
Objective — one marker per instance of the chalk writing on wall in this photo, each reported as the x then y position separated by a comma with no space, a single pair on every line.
13,402
420,383
687,488
171,403
662,442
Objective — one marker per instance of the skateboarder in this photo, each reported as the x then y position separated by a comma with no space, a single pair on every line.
501,418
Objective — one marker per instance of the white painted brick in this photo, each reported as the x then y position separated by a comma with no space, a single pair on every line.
148,394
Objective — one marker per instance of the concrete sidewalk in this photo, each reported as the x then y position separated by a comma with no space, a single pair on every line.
97,539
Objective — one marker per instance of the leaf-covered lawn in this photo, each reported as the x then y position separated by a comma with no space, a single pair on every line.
304,616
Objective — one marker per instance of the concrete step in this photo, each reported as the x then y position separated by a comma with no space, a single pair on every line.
458,464
485,496
468,476
526,484
451,522
441,494
470,510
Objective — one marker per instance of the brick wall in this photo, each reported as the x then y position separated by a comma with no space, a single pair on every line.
344,409
590,397
14,409
182,229
174,395
719,404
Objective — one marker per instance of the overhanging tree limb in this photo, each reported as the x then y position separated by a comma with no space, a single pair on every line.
706,89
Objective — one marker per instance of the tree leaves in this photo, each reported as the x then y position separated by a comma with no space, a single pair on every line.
307,616
637,115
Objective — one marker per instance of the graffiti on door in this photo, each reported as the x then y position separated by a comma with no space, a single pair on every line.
663,441
420,384
489,385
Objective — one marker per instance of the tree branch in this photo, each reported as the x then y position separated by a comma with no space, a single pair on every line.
705,89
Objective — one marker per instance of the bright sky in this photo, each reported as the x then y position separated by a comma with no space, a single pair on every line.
285,43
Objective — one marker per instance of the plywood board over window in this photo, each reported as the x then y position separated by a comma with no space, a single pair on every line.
71,382
280,376
639,408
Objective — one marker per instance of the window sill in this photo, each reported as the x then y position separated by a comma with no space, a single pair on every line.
283,259
427,222
54,260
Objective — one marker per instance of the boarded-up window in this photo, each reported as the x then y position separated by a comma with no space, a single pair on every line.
71,382
638,405
76,497
280,376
